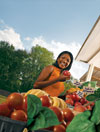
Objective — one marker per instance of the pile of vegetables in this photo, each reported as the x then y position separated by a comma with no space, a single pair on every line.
40,117
88,121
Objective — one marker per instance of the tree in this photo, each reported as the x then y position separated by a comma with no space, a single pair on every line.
6,52
19,69
33,65
10,67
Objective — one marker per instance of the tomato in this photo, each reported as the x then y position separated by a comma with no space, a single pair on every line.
4,110
75,97
77,103
92,104
58,112
70,101
83,101
59,128
89,107
79,108
68,96
19,115
15,101
64,123
45,101
66,73
25,104
68,114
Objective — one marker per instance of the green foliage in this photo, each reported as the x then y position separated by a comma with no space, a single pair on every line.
41,57
90,83
19,69
34,106
91,97
81,123
38,116
67,86
96,113
88,121
95,96
11,63
33,65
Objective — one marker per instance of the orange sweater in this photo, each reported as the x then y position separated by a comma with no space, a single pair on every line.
57,88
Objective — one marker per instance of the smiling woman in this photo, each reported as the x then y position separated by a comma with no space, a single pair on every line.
51,78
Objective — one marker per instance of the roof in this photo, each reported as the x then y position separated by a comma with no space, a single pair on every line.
95,76
90,50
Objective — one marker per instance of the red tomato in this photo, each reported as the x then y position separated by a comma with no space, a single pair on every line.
64,123
66,73
4,110
68,114
68,96
45,101
89,107
15,101
77,103
59,128
58,112
83,101
19,115
92,104
25,104
70,101
79,108
75,97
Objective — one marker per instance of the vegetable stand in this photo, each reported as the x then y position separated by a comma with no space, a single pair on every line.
40,117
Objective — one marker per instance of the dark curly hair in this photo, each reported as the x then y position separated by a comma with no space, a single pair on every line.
71,56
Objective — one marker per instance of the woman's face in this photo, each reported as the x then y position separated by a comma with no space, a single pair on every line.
64,61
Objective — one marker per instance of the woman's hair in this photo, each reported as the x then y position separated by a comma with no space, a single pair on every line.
71,56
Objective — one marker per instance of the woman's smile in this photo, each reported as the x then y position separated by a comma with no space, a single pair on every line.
63,65
64,60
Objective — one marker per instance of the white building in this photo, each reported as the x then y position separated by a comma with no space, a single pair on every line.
90,53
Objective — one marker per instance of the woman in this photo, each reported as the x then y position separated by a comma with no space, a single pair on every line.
51,78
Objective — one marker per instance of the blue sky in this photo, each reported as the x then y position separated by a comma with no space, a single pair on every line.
55,24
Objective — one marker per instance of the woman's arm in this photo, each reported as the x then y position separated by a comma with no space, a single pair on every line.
42,81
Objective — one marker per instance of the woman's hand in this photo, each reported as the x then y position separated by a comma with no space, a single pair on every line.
63,78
